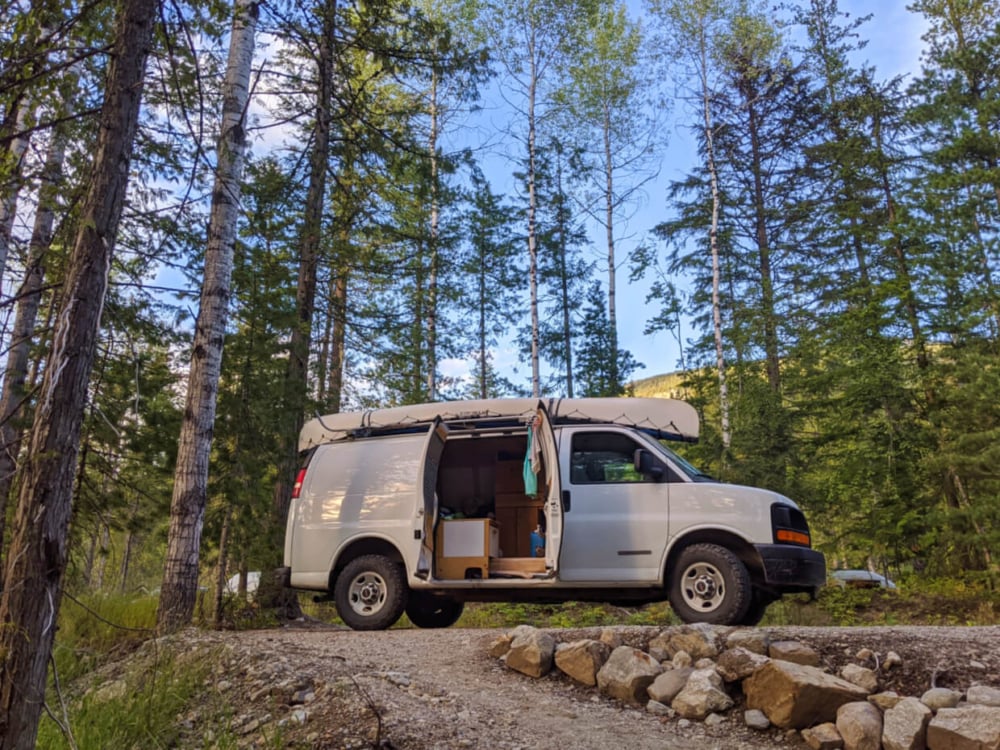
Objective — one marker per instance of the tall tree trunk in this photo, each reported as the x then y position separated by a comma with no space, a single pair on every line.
29,298
220,571
713,243
536,387
338,335
435,238
564,301
11,189
614,377
34,574
297,374
187,508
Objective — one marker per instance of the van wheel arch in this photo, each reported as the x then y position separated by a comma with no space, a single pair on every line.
745,551
360,548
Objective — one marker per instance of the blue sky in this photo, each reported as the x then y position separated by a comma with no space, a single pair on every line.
894,47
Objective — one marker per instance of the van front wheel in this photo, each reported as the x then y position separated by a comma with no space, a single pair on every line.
370,593
709,583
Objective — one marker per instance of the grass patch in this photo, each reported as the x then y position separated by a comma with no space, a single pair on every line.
137,710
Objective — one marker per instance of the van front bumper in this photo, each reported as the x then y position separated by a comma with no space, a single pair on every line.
792,568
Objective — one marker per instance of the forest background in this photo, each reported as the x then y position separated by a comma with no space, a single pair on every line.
334,205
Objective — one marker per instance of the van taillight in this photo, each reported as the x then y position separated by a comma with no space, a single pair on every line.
297,487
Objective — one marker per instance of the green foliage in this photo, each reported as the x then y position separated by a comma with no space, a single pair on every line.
93,626
139,711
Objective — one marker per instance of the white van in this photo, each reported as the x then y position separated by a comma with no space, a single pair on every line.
422,508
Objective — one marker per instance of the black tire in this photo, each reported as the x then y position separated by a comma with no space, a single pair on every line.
759,602
710,584
426,611
370,593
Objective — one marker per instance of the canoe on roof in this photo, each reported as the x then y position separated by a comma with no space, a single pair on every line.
669,418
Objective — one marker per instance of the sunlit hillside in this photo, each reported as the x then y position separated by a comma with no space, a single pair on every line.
667,385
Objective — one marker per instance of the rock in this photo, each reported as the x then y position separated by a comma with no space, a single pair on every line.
977,664
531,651
864,654
965,728
500,645
904,725
753,640
860,725
610,637
738,663
795,652
697,643
756,719
668,684
681,660
659,647
983,695
581,660
938,698
702,694
659,709
892,660
714,720
627,673
823,737
884,701
796,696
860,676
704,663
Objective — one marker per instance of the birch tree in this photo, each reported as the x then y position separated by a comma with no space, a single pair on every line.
692,27
187,510
34,574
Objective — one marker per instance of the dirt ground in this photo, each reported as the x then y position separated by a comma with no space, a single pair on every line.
439,689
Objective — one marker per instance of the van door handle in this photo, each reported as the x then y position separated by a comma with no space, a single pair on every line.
565,501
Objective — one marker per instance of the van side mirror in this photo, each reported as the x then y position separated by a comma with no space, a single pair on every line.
647,465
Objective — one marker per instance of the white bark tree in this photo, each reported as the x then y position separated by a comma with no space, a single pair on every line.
187,508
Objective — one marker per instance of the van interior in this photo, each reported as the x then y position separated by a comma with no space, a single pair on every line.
488,526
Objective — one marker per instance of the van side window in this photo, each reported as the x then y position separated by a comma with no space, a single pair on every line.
603,458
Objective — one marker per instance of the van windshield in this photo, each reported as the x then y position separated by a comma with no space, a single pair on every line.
690,471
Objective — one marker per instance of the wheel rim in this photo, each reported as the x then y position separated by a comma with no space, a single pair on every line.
703,587
367,593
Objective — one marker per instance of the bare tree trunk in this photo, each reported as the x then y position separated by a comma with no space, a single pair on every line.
536,387
609,226
10,191
435,231
187,509
34,574
220,574
338,336
564,302
713,241
29,298
297,375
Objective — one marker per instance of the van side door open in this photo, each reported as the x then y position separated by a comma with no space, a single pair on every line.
552,493
427,513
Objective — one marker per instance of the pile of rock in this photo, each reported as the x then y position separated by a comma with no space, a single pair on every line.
699,672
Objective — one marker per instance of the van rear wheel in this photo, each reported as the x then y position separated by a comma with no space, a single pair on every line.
370,593
710,584
426,611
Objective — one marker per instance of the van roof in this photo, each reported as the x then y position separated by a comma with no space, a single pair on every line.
666,417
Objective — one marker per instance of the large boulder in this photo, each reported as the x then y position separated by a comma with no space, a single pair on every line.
795,652
905,725
983,695
667,685
795,696
531,651
627,673
823,737
739,663
967,727
581,660
702,695
751,639
860,724
860,676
